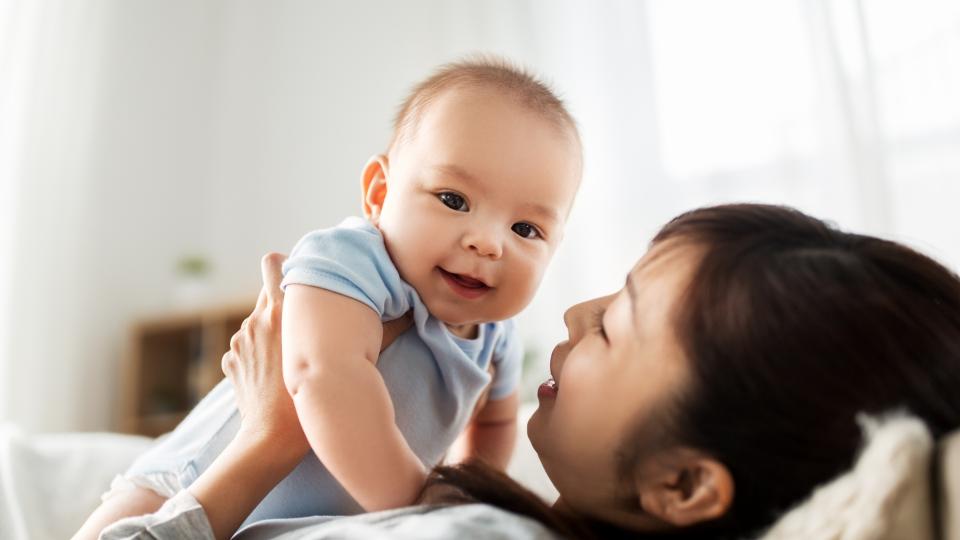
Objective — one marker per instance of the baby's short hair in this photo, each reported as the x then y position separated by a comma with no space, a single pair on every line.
482,71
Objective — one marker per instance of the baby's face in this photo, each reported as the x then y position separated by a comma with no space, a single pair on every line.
475,204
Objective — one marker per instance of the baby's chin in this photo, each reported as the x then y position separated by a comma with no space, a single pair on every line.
457,320
456,314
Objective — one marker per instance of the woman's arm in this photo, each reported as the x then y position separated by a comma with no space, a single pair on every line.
242,475
270,441
269,444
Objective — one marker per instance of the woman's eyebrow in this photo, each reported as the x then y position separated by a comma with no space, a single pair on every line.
633,293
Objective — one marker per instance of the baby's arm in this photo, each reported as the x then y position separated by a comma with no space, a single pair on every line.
331,344
491,434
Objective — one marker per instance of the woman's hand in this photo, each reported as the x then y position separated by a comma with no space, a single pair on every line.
270,442
254,366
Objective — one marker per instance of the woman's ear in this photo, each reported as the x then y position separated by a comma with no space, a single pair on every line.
685,488
374,185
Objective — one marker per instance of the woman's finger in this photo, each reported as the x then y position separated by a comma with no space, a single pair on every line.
261,299
235,340
271,269
226,363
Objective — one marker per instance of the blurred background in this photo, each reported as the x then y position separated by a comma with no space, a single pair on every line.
152,150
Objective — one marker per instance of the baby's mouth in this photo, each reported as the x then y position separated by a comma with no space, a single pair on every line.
465,286
466,281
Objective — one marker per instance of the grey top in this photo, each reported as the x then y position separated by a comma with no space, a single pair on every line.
183,517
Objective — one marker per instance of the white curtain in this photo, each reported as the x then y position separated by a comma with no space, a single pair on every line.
10,69
18,42
49,60
846,109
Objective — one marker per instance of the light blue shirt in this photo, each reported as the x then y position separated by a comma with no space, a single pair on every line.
434,377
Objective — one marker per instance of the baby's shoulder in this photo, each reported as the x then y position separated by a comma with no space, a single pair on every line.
350,259
352,234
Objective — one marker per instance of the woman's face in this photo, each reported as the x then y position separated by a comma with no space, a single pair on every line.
620,366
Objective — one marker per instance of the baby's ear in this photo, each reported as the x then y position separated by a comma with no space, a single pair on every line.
374,186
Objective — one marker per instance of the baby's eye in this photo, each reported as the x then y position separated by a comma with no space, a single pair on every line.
525,230
453,201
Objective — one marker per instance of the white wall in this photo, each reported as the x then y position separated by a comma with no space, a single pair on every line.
217,128
162,129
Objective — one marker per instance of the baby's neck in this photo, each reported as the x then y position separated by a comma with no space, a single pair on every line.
465,331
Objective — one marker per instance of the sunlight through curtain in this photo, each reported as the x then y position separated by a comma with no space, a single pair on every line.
49,58
846,109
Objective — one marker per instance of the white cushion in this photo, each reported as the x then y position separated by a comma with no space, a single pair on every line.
949,487
49,484
885,497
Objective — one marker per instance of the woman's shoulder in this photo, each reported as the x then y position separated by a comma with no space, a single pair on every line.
424,522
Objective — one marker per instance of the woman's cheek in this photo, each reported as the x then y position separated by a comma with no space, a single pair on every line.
581,366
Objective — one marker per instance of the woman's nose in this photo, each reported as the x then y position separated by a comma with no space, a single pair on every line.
575,321
578,318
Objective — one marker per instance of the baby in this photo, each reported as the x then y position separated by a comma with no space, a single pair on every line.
463,214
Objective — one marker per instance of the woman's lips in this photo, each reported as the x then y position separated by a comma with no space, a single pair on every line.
548,389
465,286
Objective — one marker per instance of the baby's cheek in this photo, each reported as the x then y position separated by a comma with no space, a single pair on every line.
529,278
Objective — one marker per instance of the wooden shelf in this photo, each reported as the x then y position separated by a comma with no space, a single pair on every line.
173,361
154,425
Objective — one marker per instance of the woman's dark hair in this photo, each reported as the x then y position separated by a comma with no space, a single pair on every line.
791,329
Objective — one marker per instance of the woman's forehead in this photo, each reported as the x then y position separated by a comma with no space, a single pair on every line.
665,258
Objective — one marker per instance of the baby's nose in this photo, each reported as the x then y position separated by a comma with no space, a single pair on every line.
484,243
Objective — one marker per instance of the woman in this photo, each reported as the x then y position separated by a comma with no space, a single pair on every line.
717,388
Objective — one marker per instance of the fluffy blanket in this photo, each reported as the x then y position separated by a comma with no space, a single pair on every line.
885,497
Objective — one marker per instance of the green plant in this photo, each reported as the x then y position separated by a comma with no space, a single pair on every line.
193,265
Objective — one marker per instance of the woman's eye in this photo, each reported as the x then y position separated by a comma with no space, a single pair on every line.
598,323
525,230
453,201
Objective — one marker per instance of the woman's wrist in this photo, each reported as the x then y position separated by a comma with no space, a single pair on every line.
241,476
279,448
